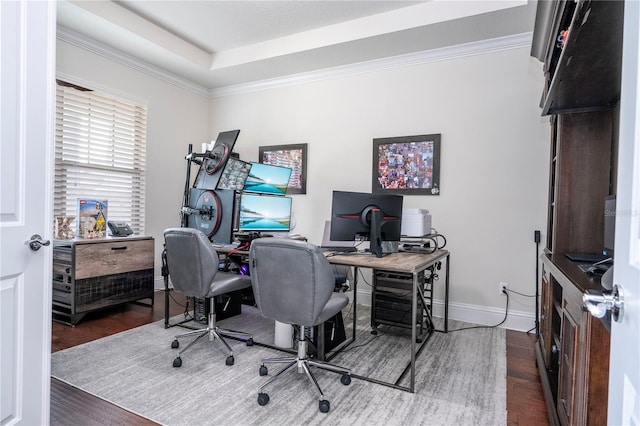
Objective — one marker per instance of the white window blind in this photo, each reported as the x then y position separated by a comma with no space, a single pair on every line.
100,154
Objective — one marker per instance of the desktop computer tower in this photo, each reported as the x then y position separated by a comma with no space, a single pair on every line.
226,306
334,334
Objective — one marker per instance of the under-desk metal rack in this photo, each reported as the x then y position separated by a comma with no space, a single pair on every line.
391,301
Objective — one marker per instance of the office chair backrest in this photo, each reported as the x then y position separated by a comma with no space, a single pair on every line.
192,261
292,280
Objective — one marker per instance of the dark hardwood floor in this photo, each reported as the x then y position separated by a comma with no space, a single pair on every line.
71,406
525,401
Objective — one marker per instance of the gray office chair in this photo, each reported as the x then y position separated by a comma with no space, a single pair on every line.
343,273
193,268
294,283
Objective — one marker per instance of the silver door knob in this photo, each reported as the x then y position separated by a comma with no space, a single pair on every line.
36,242
599,302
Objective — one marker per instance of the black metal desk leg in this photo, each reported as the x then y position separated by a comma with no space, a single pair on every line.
166,301
446,296
414,312
355,302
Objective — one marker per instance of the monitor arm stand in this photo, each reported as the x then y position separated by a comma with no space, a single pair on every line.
375,237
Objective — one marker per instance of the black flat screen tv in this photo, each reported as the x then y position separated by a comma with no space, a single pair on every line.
264,213
376,217
234,174
267,179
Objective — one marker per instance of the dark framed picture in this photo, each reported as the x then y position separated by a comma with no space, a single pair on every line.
406,165
292,156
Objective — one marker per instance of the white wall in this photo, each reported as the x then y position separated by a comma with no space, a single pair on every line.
176,118
494,159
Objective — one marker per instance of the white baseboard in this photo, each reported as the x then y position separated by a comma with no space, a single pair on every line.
158,283
482,315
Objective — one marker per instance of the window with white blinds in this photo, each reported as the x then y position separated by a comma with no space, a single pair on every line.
100,154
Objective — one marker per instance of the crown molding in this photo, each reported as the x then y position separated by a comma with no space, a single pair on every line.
411,59
94,46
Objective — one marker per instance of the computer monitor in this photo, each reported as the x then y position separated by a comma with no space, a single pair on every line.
264,213
609,225
267,179
376,217
234,174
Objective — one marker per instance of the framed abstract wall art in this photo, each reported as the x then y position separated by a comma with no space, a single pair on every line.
407,165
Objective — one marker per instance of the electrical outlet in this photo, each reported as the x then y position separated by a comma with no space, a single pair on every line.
502,286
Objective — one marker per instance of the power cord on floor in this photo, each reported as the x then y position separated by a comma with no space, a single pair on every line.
187,313
506,312
371,339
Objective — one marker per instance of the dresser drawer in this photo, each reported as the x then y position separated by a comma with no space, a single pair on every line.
107,258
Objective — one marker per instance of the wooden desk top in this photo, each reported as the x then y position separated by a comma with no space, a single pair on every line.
226,249
409,262
398,262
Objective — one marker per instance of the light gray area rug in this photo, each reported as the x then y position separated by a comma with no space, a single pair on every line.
460,378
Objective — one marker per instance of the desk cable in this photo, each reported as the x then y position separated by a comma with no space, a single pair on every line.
439,242
434,237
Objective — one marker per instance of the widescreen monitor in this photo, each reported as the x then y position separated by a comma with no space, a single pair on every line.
234,175
264,213
376,217
267,179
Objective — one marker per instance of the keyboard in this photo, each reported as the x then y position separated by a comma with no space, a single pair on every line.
339,249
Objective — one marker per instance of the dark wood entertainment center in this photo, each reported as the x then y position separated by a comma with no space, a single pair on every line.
582,55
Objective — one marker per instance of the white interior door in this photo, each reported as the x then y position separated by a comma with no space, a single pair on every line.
27,101
624,373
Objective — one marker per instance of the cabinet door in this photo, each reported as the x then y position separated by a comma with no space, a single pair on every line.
546,307
568,369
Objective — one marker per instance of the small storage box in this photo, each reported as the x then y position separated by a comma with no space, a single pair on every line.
416,222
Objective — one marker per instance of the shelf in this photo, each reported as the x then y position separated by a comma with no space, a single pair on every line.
587,74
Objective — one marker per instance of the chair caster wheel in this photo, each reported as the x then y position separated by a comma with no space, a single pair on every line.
263,370
177,362
345,379
250,341
175,344
229,360
374,331
263,399
324,406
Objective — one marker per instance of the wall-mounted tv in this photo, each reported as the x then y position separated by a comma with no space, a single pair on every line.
264,213
267,179
234,175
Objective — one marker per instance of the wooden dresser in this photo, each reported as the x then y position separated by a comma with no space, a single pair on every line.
582,54
91,274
